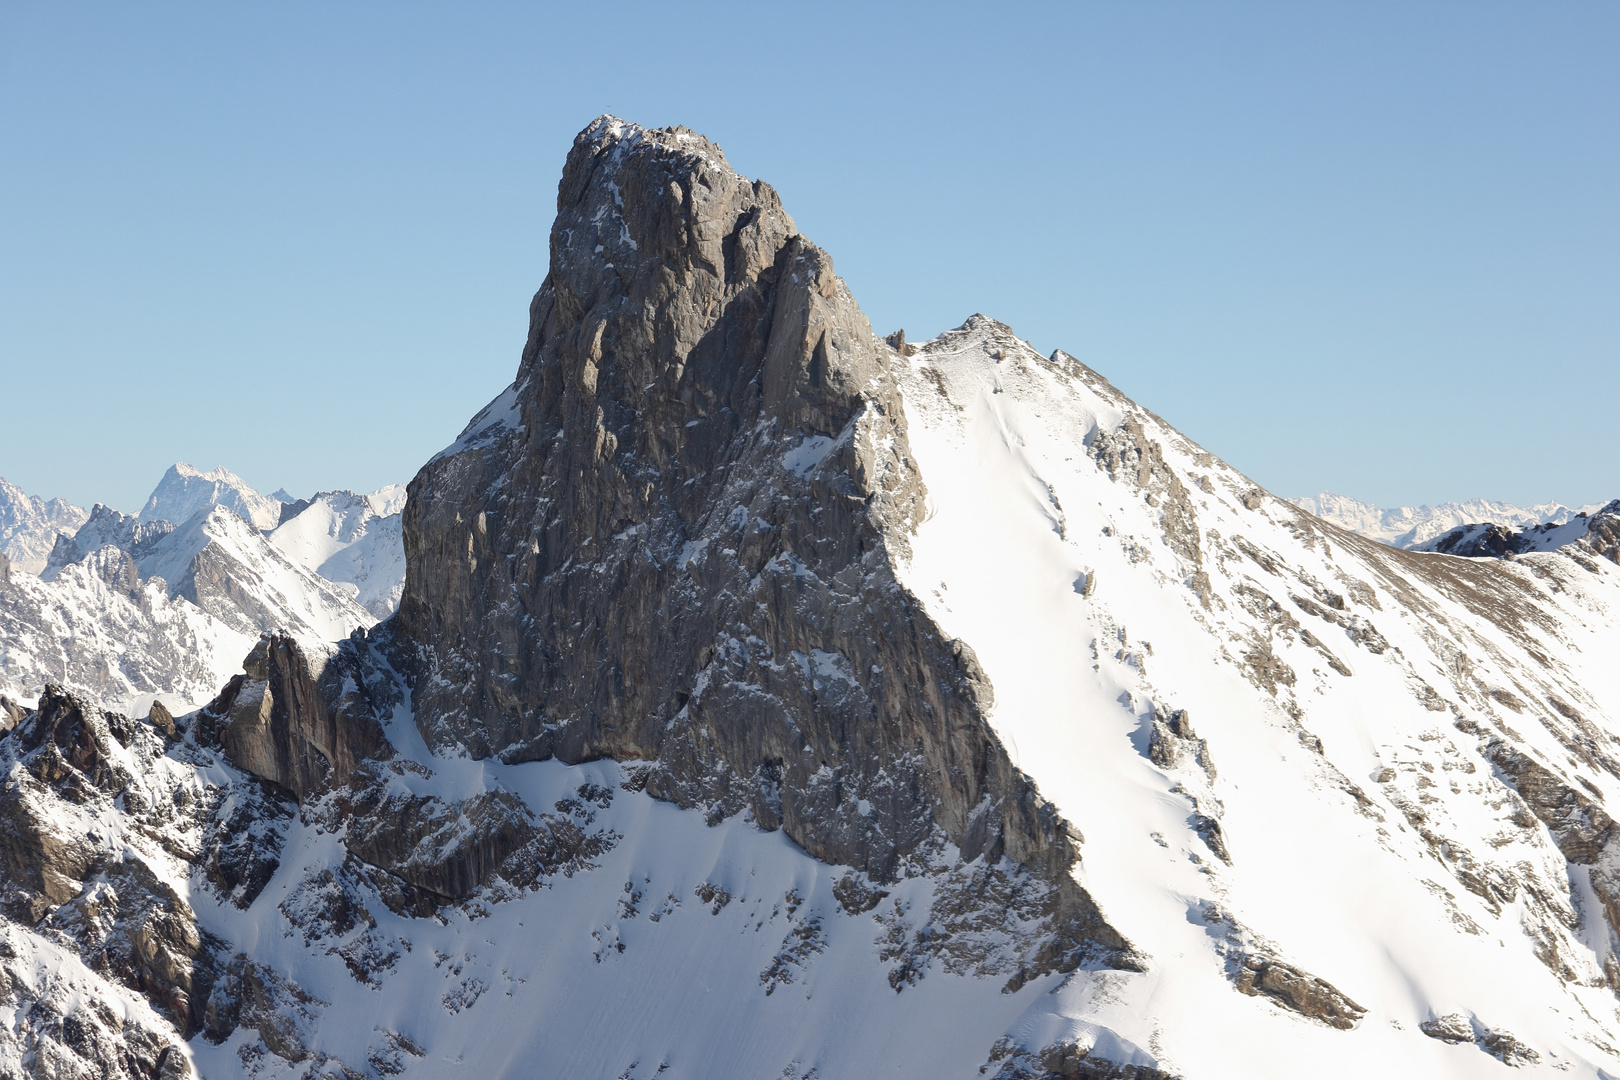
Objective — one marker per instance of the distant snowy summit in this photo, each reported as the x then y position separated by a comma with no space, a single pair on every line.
1419,527
115,606
353,540
29,526
185,492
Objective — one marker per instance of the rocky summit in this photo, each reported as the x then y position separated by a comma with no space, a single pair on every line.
769,698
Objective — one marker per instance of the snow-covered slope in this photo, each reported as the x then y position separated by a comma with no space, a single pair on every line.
185,492
228,568
101,631
1414,526
623,936
153,608
355,539
1374,730
29,526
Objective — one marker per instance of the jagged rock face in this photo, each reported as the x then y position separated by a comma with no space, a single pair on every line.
1479,541
29,526
68,770
291,722
679,545
1603,532
104,527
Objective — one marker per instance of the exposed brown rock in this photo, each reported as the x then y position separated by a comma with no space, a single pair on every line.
1297,990
160,717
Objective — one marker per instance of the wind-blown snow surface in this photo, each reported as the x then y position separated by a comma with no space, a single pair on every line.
353,539
1349,859
29,525
185,492
1415,526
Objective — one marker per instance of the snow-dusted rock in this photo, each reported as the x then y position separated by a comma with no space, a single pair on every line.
170,611
229,569
30,525
1594,531
102,631
104,527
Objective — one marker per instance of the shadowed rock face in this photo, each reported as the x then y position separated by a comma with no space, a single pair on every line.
294,724
674,538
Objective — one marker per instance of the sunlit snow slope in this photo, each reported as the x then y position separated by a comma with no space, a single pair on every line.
1353,700
351,539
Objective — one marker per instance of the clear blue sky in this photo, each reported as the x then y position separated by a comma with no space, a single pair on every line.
1372,248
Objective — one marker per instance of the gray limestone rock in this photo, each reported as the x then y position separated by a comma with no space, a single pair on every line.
447,849
674,539
1297,990
298,724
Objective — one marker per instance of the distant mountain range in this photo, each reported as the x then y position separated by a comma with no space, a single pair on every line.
1414,526
165,602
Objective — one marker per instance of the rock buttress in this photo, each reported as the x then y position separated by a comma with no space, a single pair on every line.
674,538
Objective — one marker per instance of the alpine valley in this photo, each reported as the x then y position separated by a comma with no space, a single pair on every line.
746,695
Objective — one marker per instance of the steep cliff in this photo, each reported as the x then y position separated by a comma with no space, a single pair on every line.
674,539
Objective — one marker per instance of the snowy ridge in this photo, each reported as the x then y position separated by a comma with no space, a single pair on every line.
1417,526
226,567
185,492
173,614
104,527
1117,581
102,632
501,414
351,539
29,526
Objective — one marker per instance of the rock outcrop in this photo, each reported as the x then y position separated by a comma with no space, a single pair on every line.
674,540
67,766
105,527
291,722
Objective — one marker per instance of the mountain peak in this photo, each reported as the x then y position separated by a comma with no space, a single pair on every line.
185,491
